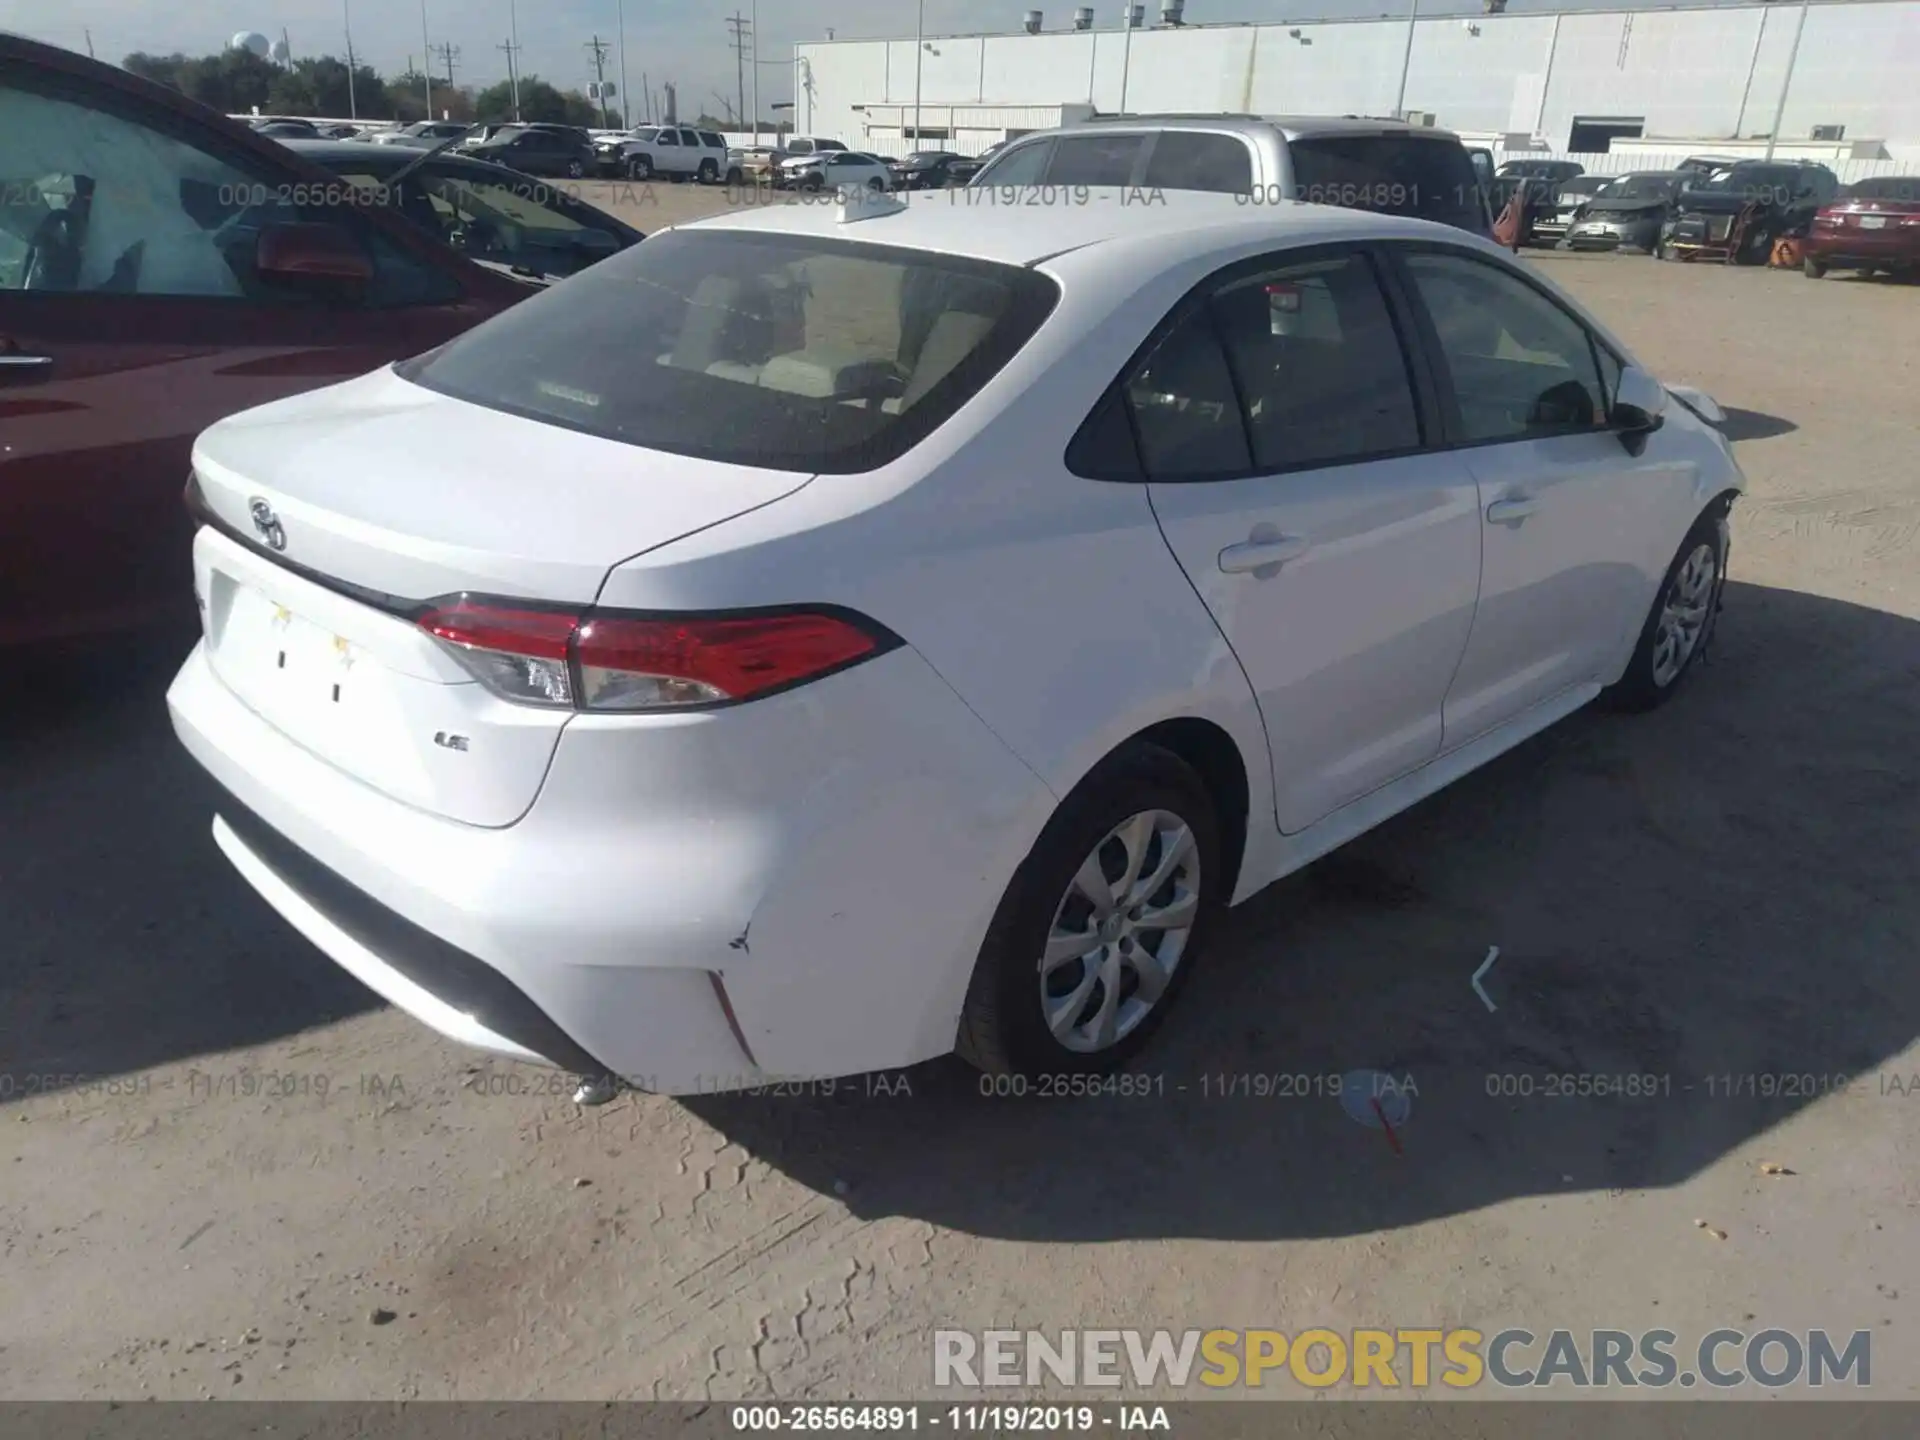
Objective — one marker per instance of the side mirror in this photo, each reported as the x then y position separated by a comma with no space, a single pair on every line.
311,252
1639,407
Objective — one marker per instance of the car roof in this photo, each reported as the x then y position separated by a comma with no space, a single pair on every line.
1195,222
1293,127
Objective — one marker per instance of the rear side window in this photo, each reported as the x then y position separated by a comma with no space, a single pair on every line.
786,352
1428,179
1102,160
1318,364
1188,160
1185,410
707,137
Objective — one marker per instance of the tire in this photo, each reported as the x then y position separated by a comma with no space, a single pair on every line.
735,177
639,168
1004,1025
709,173
1812,268
813,182
1650,679
877,186
575,170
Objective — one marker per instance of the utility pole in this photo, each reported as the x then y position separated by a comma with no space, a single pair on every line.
754,30
626,95
738,25
346,18
513,39
646,100
426,63
90,54
512,51
449,55
599,48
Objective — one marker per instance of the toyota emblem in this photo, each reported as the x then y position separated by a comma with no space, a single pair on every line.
267,523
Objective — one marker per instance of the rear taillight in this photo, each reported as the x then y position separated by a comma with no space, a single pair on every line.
613,662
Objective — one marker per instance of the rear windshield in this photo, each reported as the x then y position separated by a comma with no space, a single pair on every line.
1885,187
1754,181
787,352
1429,179
1642,187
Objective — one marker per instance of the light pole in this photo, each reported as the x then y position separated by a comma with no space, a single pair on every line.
426,68
1406,61
1780,110
1126,54
754,31
919,50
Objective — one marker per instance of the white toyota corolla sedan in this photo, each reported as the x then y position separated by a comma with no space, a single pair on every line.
820,639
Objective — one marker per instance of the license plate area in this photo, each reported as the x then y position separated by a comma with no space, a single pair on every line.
301,673
1873,222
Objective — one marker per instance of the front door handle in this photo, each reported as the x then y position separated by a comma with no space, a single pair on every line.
1511,511
18,369
1263,554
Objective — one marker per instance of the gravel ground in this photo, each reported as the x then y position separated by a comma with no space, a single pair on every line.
285,1190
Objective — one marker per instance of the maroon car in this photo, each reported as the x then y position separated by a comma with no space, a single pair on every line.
161,267
1872,225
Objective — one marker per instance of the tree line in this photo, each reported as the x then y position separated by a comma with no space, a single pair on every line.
236,82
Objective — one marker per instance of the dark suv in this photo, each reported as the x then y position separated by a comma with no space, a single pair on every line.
1761,200
1359,163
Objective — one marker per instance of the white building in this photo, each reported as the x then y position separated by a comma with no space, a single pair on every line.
1569,82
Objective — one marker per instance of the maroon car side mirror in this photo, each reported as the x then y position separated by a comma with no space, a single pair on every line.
322,252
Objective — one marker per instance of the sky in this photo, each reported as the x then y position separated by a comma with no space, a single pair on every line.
685,41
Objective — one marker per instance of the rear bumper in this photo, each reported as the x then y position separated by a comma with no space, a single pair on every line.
1857,249
804,857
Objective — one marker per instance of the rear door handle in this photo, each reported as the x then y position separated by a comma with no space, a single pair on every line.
1511,511
1260,554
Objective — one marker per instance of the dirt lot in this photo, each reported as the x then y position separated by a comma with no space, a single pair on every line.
1729,888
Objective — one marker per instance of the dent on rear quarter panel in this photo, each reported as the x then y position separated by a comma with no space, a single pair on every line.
859,952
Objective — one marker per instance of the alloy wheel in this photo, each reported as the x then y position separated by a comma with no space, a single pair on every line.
1120,931
1684,613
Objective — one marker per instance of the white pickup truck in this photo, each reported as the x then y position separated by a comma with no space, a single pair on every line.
673,152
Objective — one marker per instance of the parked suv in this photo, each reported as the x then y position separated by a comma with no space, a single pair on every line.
676,152
1745,207
1382,165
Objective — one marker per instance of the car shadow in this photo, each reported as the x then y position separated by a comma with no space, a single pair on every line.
130,941
1723,889
1753,425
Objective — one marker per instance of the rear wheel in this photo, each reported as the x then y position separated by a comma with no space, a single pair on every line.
709,172
1812,268
1101,925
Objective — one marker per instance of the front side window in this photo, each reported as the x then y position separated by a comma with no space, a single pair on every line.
1023,165
1521,367
785,352
668,137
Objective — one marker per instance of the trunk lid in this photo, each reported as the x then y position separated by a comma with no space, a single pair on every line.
356,504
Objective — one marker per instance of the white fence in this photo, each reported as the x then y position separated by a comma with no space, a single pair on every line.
1627,162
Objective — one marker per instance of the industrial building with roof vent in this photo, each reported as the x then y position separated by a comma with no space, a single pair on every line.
1647,85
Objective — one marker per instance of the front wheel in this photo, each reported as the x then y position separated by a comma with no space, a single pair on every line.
639,168
1101,925
877,186
575,170
1680,626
